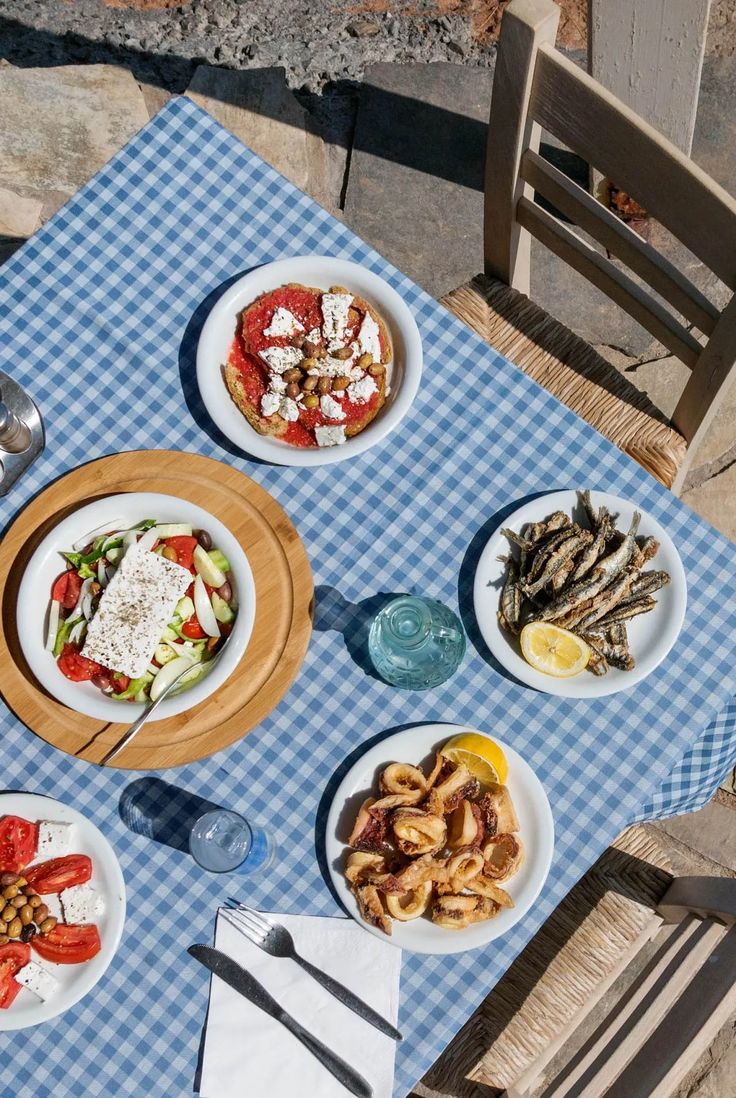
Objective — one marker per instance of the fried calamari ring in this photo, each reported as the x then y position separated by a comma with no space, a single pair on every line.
418,832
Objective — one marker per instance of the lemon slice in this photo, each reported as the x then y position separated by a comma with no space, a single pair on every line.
552,650
482,756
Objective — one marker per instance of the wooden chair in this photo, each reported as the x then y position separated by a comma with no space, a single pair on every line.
665,1017
535,86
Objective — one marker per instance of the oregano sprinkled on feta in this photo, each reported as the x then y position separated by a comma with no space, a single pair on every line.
283,323
331,408
360,392
280,359
335,316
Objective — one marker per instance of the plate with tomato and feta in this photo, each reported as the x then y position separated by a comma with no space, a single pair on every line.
63,908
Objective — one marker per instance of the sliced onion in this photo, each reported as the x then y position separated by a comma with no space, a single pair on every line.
203,608
148,539
83,593
166,675
129,539
53,625
77,632
102,573
109,573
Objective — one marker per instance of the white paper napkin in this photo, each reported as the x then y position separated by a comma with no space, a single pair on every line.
247,1054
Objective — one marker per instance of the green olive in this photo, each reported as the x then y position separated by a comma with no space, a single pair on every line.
46,926
8,913
26,914
14,928
10,891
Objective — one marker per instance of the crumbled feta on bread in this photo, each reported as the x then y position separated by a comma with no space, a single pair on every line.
330,407
314,336
81,904
37,979
135,608
283,323
360,392
335,317
329,436
280,359
368,338
270,403
53,839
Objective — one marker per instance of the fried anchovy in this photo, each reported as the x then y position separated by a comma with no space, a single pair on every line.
644,552
560,579
627,610
590,510
574,596
599,606
593,552
536,533
597,662
617,634
554,562
616,561
614,654
649,582
510,608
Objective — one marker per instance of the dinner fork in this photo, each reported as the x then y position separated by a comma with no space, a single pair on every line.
275,939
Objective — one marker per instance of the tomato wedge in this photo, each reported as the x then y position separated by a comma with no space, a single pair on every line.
13,956
76,666
184,547
66,589
192,629
68,945
59,873
18,842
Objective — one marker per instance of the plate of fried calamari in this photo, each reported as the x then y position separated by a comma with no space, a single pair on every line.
580,594
431,857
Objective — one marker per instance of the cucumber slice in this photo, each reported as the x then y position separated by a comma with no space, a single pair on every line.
114,555
168,634
164,654
223,612
219,560
207,569
173,530
184,608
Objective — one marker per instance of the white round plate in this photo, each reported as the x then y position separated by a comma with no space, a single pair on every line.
418,746
321,271
74,980
651,635
116,512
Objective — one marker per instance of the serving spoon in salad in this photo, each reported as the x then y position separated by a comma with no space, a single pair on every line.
152,706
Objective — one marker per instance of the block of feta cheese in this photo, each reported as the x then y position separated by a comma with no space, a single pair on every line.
81,904
37,979
135,608
54,839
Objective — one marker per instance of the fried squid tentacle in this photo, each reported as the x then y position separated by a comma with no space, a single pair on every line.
418,832
482,886
371,908
497,808
425,868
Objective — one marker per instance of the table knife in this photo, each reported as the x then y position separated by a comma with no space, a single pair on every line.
247,985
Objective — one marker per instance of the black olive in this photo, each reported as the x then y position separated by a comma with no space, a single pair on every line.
27,932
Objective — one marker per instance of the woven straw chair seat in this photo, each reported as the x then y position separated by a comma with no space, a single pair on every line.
571,370
590,938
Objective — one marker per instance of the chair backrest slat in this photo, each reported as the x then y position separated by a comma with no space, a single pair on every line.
620,240
535,86
597,126
602,273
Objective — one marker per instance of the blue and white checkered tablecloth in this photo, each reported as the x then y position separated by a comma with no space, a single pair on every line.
99,315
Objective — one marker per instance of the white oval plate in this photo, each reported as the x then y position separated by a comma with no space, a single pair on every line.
418,746
75,980
320,271
651,635
34,597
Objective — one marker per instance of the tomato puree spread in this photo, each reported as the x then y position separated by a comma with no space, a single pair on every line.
308,365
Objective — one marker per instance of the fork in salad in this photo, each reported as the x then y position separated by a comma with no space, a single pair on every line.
153,656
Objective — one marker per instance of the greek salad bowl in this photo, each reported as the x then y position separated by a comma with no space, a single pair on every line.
281,323
123,593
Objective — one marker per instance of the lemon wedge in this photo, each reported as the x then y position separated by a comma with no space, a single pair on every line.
482,756
552,650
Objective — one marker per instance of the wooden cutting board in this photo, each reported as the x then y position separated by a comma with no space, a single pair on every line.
281,631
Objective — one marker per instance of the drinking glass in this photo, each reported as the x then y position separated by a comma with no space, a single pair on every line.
416,642
222,841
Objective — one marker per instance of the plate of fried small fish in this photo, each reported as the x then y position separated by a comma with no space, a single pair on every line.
590,563
428,858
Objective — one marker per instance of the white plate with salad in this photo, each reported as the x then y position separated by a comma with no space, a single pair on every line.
125,592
